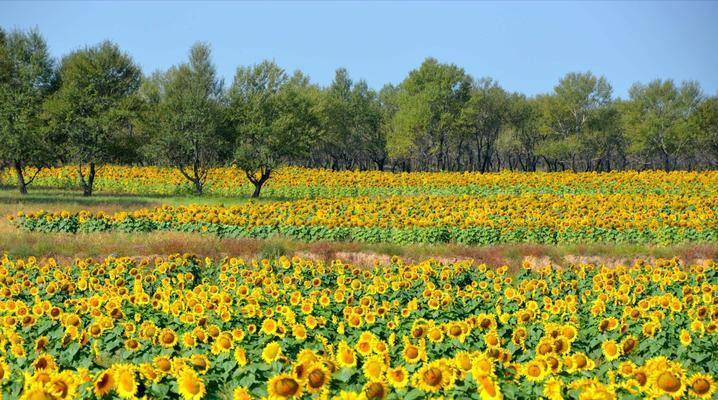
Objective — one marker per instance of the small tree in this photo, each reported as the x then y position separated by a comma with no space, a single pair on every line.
274,119
183,116
94,106
27,79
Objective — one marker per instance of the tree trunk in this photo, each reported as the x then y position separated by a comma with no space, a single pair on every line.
198,186
88,183
266,173
22,185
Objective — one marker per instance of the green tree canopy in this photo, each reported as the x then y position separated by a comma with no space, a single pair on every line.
274,119
28,77
94,107
183,119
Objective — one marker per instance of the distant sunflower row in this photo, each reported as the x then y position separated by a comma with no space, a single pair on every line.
296,182
534,218
182,327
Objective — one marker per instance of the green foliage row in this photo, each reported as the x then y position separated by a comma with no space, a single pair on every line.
470,236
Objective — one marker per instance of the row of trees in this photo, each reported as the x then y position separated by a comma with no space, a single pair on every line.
96,107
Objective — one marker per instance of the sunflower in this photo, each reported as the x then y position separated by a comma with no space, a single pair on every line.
626,368
269,326
374,390
35,390
167,338
241,356
4,371
189,385
241,393
701,386
398,377
345,356
200,363
149,373
610,350
552,389
284,386
44,362
272,351
433,377
482,365
104,383
628,344
413,353
534,370
668,381
317,377
163,363
62,385
374,368
488,388
125,382
222,343
462,361
685,337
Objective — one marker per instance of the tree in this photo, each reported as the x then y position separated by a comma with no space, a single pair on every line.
27,79
481,119
351,119
566,117
94,107
706,119
274,119
430,100
657,120
517,142
184,116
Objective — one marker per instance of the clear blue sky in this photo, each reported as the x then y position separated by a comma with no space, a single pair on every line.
526,46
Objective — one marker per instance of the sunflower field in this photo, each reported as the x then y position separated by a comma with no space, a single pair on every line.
473,220
192,328
296,182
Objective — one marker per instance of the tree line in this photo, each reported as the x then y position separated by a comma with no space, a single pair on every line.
95,106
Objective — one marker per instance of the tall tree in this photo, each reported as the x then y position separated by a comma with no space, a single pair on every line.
184,116
28,77
274,118
706,119
94,107
567,115
430,101
351,118
482,119
657,120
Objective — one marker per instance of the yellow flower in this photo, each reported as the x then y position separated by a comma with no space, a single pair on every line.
104,383
552,389
125,382
189,385
610,350
167,338
702,386
318,377
534,370
398,377
272,351
374,368
284,386
241,393
373,390
433,377
685,337
345,356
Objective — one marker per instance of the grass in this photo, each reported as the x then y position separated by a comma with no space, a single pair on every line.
68,246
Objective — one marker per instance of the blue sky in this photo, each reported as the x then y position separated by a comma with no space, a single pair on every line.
526,46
